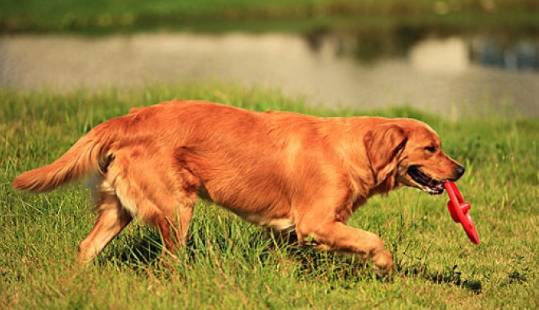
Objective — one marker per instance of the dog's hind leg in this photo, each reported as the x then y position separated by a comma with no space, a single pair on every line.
153,188
111,220
174,227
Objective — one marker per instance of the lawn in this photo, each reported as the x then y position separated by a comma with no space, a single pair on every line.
219,15
231,264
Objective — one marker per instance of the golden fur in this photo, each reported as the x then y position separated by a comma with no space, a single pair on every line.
277,169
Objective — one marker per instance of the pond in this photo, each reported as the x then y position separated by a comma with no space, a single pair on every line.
452,73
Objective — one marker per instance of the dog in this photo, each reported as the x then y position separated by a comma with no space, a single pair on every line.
282,170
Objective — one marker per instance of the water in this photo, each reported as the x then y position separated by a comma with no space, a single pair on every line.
452,74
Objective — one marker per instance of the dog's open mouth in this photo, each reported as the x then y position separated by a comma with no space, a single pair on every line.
428,184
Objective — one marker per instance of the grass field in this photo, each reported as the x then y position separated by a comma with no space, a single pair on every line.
100,16
231,264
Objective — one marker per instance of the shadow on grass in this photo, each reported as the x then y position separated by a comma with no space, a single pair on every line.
350,268
447,276
139,253
309,263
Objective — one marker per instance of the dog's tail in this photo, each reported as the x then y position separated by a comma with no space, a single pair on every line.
88,154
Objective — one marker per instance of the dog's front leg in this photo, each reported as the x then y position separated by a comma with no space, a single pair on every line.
338,236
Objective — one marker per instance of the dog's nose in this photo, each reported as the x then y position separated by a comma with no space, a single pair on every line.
459,171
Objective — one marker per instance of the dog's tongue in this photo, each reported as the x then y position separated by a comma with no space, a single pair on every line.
459,210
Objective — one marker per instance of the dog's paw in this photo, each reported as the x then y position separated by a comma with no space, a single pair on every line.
383,263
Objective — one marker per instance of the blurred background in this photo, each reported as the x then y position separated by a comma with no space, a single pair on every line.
449,57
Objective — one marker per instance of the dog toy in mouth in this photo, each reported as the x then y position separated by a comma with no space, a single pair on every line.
459,210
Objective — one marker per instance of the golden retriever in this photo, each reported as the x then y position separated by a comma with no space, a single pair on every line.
281,170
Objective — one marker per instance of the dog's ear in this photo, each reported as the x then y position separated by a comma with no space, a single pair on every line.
383,145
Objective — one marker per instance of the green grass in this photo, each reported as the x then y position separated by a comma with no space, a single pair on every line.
217,15
231,264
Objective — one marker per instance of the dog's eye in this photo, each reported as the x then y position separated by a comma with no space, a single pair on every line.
430,149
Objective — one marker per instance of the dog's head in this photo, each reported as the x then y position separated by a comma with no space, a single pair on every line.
408,152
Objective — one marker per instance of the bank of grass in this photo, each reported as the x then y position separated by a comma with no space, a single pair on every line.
230,264
102,16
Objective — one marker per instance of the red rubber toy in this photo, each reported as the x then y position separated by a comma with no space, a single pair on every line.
459,210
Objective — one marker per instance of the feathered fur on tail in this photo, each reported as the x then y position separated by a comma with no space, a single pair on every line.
86,155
